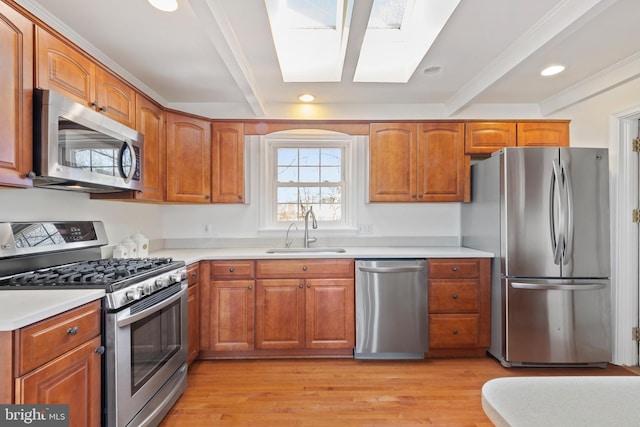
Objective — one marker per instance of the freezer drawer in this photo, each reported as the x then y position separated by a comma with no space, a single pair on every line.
391,309
557,321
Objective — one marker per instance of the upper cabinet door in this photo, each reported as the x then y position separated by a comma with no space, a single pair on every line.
392,162
151,123
64,69
16,89
487,137
543,134
227,167
114,98
188,159
441,162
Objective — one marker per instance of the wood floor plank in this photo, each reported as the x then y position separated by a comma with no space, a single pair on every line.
345,392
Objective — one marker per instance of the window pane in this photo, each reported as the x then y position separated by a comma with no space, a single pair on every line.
287,212
309,157
287,156
287,195
330,195
287,174
309,195
331,157
328,212
310,174
330,174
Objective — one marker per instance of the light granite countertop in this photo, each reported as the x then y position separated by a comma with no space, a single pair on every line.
358,252
24,307
19,308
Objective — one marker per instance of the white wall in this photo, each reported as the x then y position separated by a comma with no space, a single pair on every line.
121,219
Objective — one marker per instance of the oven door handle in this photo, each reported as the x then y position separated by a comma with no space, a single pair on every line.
127,320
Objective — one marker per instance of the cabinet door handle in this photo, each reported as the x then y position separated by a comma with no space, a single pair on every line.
100,350
194,274
73,331
455,332
454,296
308,285
414,195
250,287
301,286
454,268
231,269
304,268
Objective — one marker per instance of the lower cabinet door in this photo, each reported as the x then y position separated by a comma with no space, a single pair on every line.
73,378
330,314
454,330
231,315
280,314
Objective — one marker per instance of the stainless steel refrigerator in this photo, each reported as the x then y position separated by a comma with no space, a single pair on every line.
544,213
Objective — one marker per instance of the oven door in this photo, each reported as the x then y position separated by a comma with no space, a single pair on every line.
146,348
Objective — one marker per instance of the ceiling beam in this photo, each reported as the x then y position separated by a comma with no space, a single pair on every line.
624,71
558,20
216,25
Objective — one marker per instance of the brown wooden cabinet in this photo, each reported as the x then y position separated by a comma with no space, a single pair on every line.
150,122
483,138
228,306
16,89
459,306
193,298
57,361
63,68
227,167
305,304
188,159
417,162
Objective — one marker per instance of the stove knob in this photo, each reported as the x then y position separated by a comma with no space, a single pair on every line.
133,294
149,288
162,282
175,278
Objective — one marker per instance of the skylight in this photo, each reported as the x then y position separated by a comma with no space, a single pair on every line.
310,37
398,36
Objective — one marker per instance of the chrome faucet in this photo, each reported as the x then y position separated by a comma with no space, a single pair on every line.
287,242
314,224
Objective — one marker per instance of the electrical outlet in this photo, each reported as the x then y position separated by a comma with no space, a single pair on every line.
365,228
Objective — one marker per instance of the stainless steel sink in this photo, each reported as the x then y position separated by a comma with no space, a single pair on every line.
304,250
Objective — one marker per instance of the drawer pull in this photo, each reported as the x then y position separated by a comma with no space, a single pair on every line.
304,268
454,296
73,331
455,332
194,274
250,287
100,350
454,268
231,269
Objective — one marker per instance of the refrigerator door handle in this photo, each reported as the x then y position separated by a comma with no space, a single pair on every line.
570,212
556,230
558,287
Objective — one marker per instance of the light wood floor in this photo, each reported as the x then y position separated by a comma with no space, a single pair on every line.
345,392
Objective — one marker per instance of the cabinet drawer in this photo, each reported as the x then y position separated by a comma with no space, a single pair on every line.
452,268
230,270
52,337
453,296
454,330
301,268
193,274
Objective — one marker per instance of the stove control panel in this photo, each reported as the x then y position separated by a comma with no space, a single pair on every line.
145,288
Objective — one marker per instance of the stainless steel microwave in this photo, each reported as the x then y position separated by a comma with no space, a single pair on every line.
77,148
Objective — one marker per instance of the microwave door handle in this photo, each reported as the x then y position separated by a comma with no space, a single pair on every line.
133,161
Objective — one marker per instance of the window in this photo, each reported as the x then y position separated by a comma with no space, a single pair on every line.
307,170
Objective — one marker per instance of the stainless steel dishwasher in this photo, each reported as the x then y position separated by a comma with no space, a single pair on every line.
391,309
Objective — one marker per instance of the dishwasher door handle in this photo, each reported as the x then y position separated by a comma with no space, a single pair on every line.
391,269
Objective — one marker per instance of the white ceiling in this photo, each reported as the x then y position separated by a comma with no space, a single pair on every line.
216,57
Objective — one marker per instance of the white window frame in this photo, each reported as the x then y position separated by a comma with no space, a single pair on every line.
268,175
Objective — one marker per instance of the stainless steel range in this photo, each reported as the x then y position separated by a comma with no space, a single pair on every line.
145,310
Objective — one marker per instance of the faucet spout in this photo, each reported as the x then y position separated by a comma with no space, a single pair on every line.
287,242
314,224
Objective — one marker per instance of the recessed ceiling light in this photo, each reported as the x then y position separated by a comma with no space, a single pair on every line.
165,5
432,70
306,97
554,69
